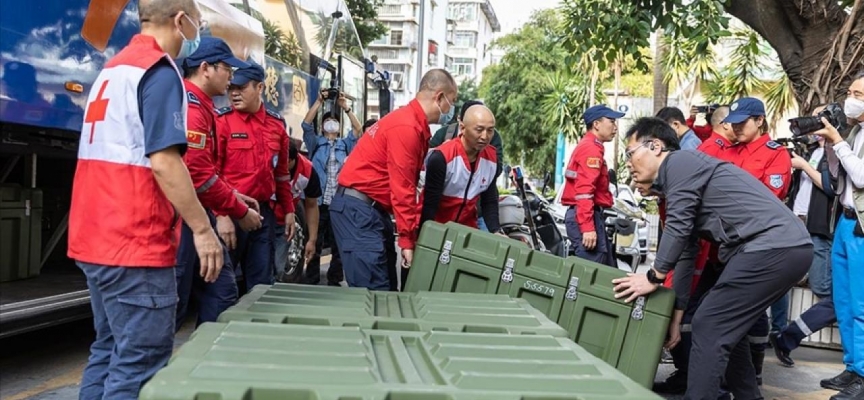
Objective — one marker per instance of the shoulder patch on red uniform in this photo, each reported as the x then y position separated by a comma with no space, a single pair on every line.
224,110
593,162
196,140
192,98
273,114
773,145
719,142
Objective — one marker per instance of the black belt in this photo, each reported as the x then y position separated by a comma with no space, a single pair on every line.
850,213
360,196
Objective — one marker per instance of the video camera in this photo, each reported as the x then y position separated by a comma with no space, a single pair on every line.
804,125
802,145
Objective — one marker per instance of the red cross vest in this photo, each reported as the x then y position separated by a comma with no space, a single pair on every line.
119,215
462,189
298,184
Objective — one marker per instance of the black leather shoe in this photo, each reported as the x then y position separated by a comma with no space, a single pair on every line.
855,391
782,355
674,384
840,382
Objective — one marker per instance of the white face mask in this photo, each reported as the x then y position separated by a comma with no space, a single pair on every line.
853,108
331,126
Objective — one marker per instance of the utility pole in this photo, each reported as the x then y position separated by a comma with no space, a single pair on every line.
420,46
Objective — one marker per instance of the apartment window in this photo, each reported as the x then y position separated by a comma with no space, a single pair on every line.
462,12
463,66
396,37
448,63
465,39
390,9
392,67
381,40
385,54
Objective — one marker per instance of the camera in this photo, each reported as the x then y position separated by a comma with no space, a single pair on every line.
707,109
805,125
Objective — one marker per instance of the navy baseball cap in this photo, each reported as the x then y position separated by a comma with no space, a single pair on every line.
213,50
253,72
599,111
744,108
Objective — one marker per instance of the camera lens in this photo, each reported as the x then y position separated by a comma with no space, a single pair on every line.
804,125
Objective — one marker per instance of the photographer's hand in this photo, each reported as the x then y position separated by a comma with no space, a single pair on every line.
799,162
829,132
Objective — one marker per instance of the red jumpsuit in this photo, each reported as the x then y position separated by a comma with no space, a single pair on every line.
202,156
769,162
254,154
586,189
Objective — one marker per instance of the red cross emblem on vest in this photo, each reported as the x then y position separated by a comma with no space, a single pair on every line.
96,110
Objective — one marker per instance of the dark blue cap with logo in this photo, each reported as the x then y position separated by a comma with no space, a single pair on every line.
599,111
744,108
213,50
253,72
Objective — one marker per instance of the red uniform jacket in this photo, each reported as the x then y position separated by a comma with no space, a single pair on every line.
386,166
719,147
769,162
202,155
703,132
587,181
462,188
254,154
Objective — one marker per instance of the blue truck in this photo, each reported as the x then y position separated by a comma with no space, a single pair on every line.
50,53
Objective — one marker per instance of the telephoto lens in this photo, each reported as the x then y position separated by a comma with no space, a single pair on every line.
805,125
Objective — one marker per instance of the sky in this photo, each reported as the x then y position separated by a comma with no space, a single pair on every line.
513,13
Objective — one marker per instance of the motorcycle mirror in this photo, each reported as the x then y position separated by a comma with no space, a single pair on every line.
613,177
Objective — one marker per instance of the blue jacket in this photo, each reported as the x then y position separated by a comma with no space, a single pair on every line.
319,150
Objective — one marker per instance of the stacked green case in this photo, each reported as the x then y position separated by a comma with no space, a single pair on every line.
20,233
575,293
420,312
254,361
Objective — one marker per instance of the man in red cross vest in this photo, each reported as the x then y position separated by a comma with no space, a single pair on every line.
131,189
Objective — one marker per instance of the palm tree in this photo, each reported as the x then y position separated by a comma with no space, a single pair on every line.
684,62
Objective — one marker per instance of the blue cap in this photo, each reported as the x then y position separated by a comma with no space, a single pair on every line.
599,111
213,50
253,72
744,108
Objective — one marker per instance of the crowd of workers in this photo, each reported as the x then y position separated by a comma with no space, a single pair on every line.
189,197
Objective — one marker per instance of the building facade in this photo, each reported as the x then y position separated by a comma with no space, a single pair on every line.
416,41
475,27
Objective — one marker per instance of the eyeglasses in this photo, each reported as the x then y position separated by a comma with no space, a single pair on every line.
228,68
628,154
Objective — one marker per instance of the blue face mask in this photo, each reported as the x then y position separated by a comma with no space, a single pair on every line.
444,118
189,46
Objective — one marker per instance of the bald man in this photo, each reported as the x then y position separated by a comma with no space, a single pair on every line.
720,143
461,171
380,177
126,203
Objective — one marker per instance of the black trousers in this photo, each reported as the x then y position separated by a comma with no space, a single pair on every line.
749,284
325,236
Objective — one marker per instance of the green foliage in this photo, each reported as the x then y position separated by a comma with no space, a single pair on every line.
365,16
637,84
468,90
779,98
566,101
603,29
517,88
740,77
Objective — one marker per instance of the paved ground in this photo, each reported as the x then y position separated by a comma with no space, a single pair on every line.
47,365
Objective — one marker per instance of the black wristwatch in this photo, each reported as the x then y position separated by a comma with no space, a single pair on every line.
652,277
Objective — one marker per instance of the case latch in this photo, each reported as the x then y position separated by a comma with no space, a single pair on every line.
638,309
572,289
445,253
507,275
